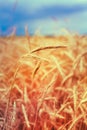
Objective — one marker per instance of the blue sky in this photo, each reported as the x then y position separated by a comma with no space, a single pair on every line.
47,17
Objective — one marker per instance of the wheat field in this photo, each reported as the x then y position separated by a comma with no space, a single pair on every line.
43,83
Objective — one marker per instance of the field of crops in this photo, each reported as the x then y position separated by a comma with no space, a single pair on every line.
43,83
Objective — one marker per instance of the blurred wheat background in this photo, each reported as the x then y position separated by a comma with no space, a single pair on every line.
43,65
43,83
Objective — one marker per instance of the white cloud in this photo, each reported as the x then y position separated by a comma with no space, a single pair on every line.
33,5
77,22
74,23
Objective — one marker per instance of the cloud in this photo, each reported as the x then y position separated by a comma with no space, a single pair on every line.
36,4
33,5
74,23
78,22
48,15
48,12
60,10
42,12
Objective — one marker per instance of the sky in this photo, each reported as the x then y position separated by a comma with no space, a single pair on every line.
43,17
